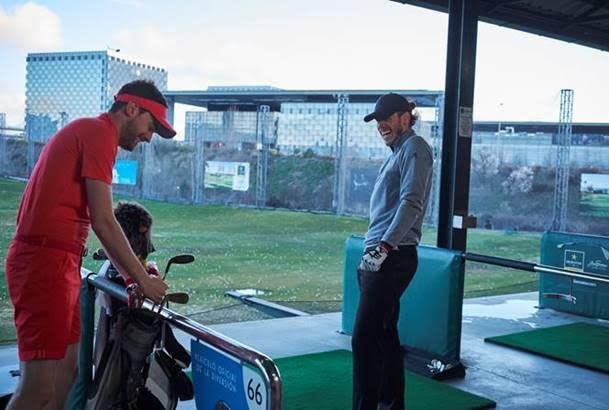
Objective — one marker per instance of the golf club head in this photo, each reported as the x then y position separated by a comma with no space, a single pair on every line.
177,297
100,255
180,260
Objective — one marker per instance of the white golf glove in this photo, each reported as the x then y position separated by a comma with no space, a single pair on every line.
373,259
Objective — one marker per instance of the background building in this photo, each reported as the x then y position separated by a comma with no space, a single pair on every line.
67,85
2,120
298,127
299,120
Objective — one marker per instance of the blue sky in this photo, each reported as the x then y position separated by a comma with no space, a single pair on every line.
314,44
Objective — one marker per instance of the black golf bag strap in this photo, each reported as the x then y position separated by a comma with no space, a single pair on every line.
175,349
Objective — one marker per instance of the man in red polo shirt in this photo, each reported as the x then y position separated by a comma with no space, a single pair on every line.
69,190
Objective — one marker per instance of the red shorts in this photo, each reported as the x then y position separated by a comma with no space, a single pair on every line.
44,285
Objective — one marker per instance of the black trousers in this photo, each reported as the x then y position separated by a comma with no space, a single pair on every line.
378,358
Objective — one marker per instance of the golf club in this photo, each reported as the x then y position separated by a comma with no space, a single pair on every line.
180,260
100,255
177,297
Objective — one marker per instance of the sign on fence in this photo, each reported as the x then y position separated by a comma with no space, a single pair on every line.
227,174
222,382
125,172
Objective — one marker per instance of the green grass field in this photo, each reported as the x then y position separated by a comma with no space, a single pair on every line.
296,258
594,205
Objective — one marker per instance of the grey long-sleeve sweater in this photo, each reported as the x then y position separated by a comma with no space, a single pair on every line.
401,193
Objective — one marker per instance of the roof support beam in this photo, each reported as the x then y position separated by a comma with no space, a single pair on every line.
585,16
492,7
549,18
599,17
458,123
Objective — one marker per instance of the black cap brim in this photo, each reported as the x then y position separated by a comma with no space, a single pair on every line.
163,128
370,117
377,115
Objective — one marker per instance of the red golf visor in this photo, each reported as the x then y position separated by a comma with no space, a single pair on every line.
158,111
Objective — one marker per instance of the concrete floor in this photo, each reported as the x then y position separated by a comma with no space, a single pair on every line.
514,379
519,380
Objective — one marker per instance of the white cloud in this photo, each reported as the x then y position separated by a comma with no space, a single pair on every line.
30,27
12,104
201,53
317,51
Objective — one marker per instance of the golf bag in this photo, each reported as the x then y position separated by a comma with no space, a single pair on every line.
139,363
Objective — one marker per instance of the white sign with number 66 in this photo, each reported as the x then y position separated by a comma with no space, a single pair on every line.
255,389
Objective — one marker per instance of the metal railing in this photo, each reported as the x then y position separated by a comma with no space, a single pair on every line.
263,363
531,267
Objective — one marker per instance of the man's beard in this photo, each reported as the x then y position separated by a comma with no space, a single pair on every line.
130,141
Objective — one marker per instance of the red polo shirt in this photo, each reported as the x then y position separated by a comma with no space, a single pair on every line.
54,203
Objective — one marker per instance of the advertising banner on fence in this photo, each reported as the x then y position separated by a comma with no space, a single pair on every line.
125,172
227,174
223,382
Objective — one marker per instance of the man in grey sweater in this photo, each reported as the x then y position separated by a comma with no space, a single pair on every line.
397,207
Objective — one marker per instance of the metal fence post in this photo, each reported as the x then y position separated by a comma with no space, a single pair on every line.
198,166
262,129
340,166
146,183
3,167
436,138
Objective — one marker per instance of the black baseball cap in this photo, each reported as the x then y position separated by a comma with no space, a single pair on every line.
388,104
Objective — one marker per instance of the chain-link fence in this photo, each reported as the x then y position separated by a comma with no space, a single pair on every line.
318,157
13,157
322,157
230,156
514,183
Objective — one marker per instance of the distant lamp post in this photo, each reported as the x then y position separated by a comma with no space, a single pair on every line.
500,117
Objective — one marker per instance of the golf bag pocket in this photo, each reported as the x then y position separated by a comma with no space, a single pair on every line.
167,381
